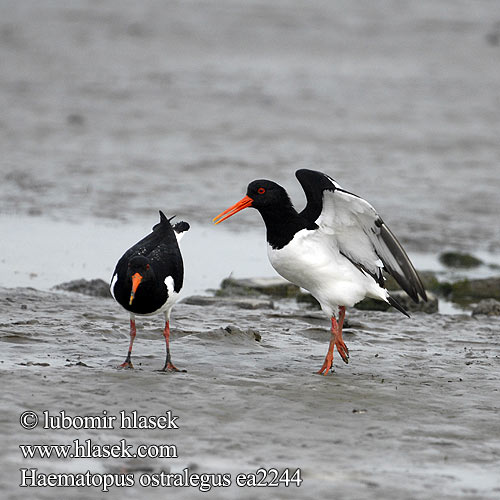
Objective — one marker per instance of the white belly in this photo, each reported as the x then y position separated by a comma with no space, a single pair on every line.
313,262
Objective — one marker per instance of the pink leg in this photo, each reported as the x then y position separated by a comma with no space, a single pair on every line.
327,365
169,366
336,341
133,333
339,341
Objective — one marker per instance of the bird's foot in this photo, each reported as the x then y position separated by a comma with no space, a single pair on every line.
343,350
170,367
327,365
126,365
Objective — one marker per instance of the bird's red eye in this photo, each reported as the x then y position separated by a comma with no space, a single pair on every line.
147,266
261,190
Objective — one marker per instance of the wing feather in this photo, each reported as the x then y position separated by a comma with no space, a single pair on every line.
360,233
365,239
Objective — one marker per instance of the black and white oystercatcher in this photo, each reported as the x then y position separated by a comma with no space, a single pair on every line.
148,278
336,248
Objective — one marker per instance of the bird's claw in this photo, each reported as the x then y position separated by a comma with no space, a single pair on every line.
343,351
327,365
127,365
345,357
170,367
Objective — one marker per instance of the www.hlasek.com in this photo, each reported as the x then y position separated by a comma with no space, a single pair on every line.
86,448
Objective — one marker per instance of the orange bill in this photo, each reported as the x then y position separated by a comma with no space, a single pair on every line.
243,203
136,280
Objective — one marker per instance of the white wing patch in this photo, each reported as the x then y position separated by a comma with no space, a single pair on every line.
361,235
172,296
169,283
112,285
334,182
350,220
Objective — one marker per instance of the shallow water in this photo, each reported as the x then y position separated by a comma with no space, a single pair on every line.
90,249
65,251
113,111
110,111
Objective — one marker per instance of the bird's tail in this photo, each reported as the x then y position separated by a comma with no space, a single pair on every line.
180,229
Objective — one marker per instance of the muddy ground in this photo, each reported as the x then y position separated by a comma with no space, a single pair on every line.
413,415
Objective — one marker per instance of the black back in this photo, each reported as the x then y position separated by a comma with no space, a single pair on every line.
314,183
157,256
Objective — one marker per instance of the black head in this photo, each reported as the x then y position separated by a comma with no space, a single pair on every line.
262,195
267,194
139,264
272,201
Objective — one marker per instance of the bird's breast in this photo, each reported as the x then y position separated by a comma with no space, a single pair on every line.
306,258
312,261
150,298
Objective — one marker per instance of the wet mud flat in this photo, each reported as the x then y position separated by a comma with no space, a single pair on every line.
415,414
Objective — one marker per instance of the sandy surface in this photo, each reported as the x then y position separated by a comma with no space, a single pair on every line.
113,110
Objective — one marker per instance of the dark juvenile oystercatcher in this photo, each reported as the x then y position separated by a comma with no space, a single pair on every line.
148,278
336,248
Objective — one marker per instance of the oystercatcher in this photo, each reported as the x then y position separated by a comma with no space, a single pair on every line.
336,248
148,278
